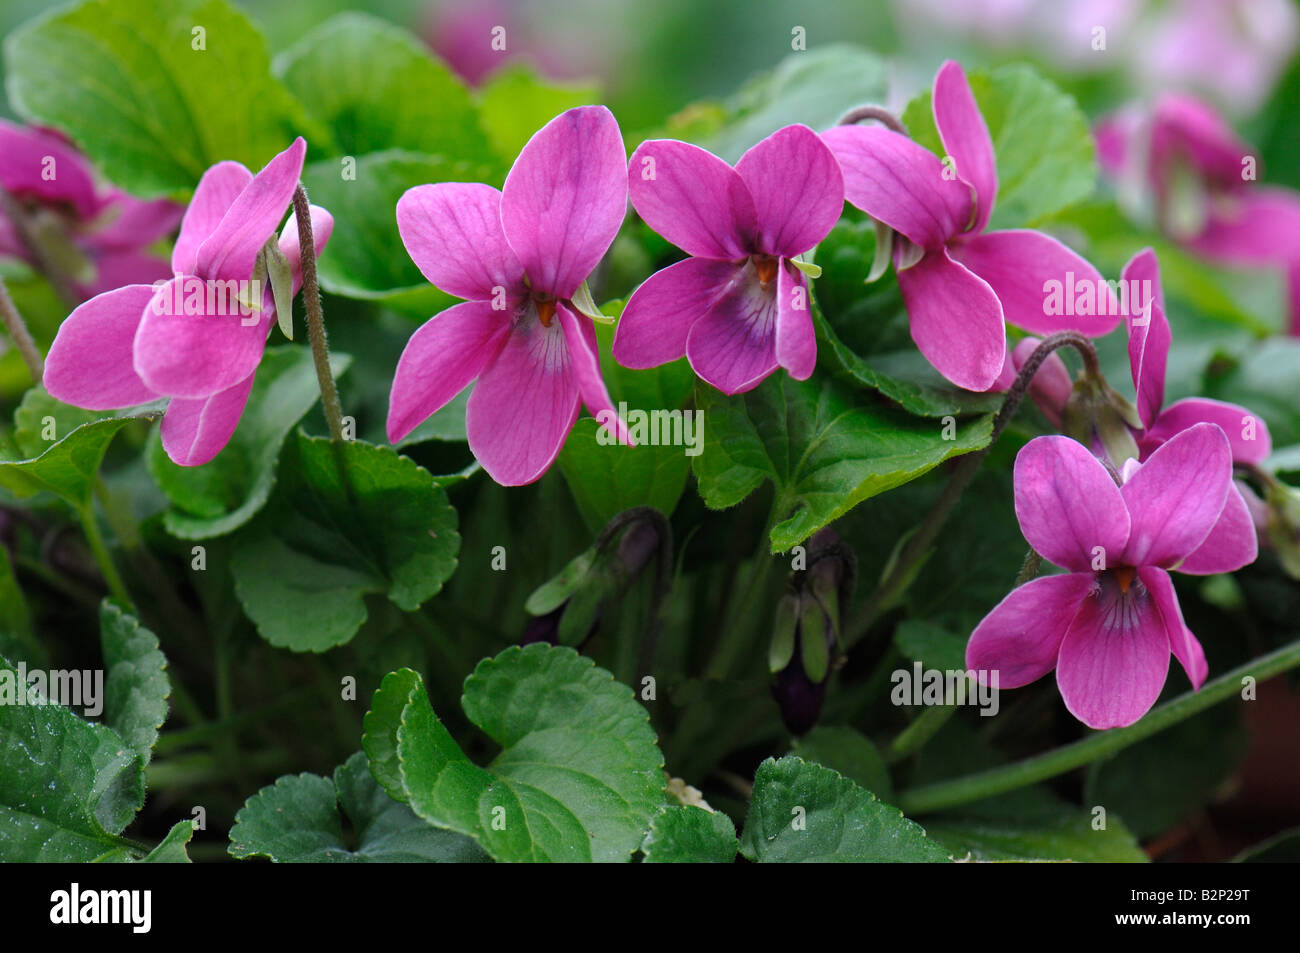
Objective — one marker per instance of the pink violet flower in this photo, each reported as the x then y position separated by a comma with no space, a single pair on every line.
738,307
1109,624
105,233
137,343
1201,175
960,283
520,257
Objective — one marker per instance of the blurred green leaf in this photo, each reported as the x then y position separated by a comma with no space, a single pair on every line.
515,103
1044,148
365,257
376,87
154,91
814,87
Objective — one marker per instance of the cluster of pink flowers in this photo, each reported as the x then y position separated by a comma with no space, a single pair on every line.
737,308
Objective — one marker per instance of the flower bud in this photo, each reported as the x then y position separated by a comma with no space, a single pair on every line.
1101,419
805,637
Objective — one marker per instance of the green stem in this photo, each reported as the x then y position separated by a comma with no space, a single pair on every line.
320,350
975,787
95,537
915,735
735,633
18,333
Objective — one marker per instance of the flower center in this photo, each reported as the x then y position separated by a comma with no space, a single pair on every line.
545,308
1124,576
766,267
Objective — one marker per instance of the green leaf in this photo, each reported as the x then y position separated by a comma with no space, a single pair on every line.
1267,382
802,812
67,786
66,465
352,519
690,835
823,452
137,687
447,424
813,87
224,494
123,79
375,85
297,820
850,753
171,849
579,776
606,477
1061,833
931,645
365,257
515,103
1045,151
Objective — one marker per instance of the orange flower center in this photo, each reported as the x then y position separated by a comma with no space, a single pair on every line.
1124,576
766,268
545,310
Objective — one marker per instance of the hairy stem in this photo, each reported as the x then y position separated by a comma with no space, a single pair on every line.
893,584
18,333
320,349
878,113
975,787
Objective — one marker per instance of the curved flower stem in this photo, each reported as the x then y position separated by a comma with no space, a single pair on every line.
974,787
893,584
320,349
95,537
18,333
878,113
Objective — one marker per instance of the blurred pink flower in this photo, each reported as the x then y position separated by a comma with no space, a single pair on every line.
1202,178
99,233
